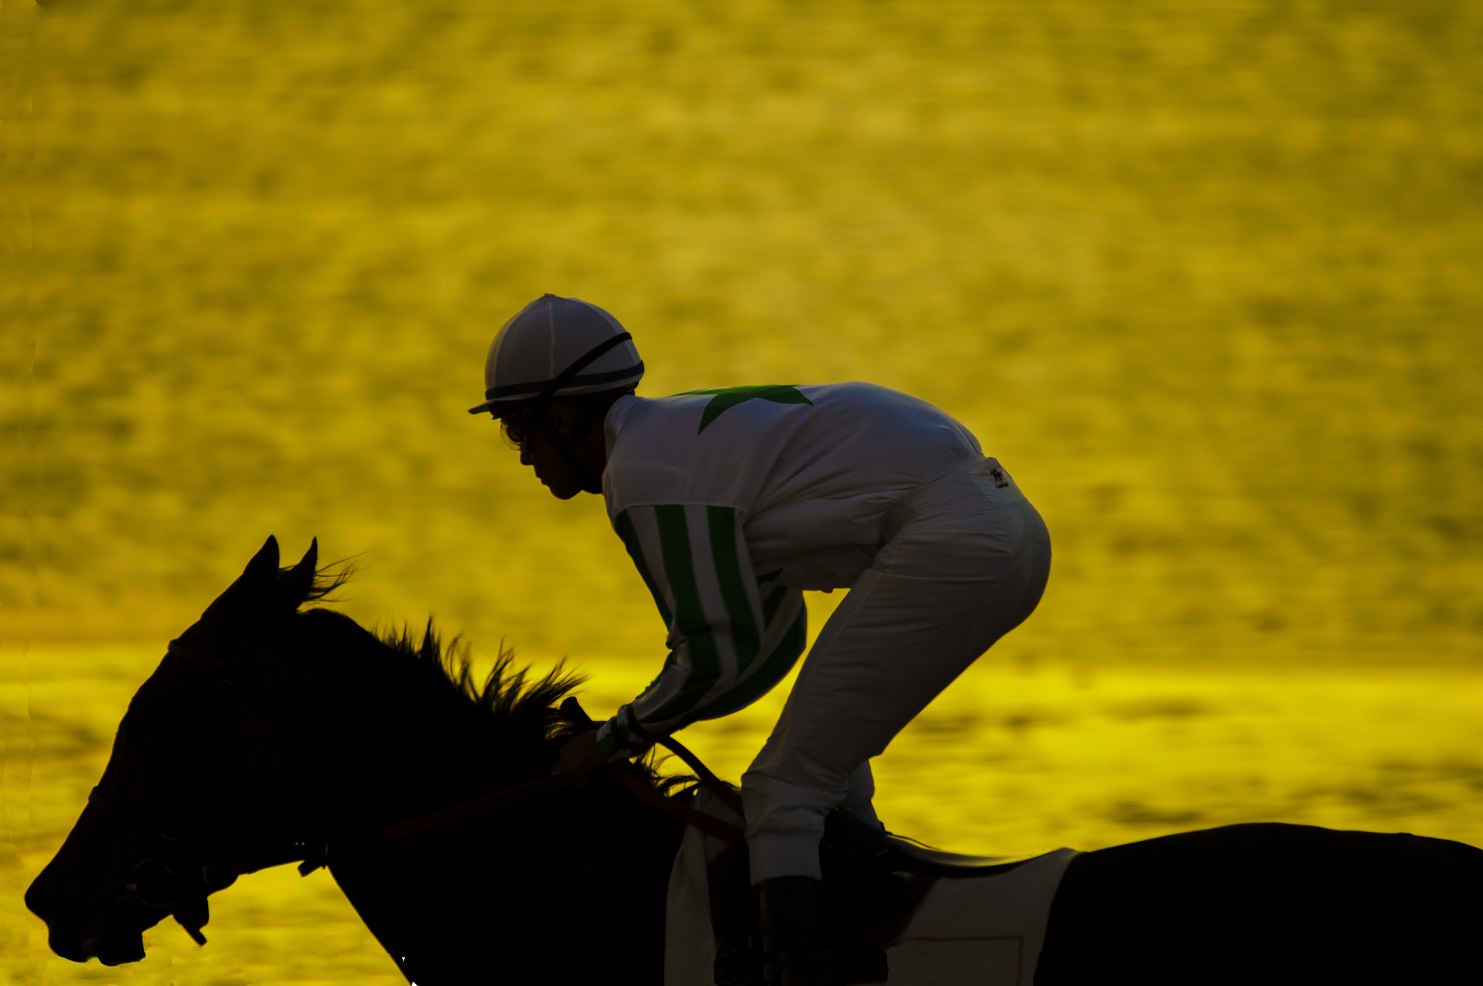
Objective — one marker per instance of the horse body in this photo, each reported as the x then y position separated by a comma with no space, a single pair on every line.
268,732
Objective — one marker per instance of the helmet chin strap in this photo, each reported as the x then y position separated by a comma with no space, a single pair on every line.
567,446
589,481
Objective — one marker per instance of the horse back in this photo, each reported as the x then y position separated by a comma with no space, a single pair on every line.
1269,903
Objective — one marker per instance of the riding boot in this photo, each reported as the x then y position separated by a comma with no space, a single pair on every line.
788,932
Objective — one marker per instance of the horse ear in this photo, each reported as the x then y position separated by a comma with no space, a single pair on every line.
264,564
244,596
311,557
300,579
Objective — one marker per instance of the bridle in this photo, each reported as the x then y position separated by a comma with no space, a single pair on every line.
170,877
167,878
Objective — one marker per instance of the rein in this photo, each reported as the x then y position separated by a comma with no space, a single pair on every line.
621,774
311,858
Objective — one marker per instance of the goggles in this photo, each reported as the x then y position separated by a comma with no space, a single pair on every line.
517,426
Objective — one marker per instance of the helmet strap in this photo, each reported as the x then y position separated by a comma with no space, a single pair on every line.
578,365
567,445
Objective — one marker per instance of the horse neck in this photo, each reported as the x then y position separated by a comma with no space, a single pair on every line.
569,887
566,885
382,737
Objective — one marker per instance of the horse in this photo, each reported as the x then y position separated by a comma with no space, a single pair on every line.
272,733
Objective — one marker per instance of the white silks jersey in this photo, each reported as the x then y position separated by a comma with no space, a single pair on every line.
731,502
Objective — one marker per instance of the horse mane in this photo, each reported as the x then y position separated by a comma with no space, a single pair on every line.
508,693
326,580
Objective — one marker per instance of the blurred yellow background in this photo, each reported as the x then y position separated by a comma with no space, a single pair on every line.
1203,275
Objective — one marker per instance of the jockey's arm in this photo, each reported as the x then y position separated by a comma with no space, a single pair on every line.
731,638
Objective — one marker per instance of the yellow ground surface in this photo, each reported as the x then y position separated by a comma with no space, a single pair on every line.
1203,275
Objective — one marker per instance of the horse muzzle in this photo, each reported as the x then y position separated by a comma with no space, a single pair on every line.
112,932
86,898
115,935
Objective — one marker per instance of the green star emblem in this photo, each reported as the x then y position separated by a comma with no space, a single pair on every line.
729,397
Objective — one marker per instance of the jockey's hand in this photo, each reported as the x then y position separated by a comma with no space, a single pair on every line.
579,758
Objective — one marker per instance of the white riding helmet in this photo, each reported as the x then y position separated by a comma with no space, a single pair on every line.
557,347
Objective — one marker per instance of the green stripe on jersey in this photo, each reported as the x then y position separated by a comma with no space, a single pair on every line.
728,397
744,633
689,619
630,538
772,671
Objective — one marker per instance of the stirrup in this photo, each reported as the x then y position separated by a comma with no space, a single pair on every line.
788,936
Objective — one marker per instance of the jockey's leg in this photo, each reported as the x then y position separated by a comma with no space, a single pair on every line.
966,559
859,791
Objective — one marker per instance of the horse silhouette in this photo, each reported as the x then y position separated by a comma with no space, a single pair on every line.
269,733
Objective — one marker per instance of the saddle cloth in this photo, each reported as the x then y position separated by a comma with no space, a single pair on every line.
967,928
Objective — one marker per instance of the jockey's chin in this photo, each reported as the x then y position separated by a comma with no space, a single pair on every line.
554,474
562,479
566,486
558,479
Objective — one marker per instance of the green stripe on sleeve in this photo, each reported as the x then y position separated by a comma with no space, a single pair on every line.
629,534
771,671
689,621
744,632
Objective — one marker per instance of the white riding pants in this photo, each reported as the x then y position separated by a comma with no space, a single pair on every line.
965,560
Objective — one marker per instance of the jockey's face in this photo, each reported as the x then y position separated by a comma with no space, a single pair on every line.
528,434
552,468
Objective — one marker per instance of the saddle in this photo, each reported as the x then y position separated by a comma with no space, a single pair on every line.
873,884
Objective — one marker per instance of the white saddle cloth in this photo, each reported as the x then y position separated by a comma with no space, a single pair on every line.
986,931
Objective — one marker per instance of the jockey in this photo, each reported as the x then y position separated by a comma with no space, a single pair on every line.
731,502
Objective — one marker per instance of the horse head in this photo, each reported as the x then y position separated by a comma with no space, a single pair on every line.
268,735
176,815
